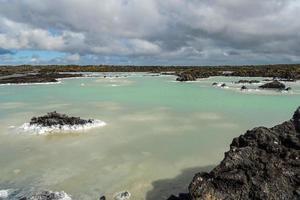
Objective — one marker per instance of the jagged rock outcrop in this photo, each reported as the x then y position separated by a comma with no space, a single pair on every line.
273,85
54,119
186,77
264,163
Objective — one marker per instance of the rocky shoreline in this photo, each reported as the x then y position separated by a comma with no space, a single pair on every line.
264,163
285,72
37,78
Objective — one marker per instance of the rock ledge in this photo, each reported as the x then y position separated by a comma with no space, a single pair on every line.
264,163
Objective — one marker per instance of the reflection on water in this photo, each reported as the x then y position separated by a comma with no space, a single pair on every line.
156,129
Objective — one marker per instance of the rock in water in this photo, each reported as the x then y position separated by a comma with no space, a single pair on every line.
122,195
54,119
264,163
244,88
186,77
288,89
273,85
247,81
102,198
47,195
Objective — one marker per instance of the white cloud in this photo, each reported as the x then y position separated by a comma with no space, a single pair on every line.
201,30
73,58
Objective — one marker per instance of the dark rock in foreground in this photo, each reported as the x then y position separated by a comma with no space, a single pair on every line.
264,163
54,119
37,78
273,85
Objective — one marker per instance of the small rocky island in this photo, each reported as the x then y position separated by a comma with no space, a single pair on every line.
54,122
57,119
264,163
37,78
273,85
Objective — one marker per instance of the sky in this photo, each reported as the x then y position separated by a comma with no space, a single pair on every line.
149,32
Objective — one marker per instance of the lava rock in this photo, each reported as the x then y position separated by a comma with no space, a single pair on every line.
244,88
186,77
47,195
247,81
273,85
288,89
122,196
223,85
264,163
54,119
37,78
215,84
296,119
102,198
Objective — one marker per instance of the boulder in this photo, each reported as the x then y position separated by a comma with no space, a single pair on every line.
273,85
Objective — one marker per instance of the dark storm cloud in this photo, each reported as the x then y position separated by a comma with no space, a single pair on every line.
155,31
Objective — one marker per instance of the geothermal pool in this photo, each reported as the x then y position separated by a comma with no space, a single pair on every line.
158,133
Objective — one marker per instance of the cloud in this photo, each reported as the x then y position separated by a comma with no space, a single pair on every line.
155,31
73,58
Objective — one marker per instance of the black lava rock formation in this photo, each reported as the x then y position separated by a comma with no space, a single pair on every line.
273,85
54,119
262,164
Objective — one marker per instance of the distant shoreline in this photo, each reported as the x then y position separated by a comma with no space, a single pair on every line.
44,73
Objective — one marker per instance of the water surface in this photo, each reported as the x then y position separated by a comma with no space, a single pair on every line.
156,130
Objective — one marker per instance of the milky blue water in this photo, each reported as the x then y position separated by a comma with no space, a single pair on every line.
156,128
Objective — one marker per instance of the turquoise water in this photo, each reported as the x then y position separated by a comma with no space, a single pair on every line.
156,128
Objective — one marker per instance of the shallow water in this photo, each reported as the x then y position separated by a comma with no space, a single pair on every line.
156,130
